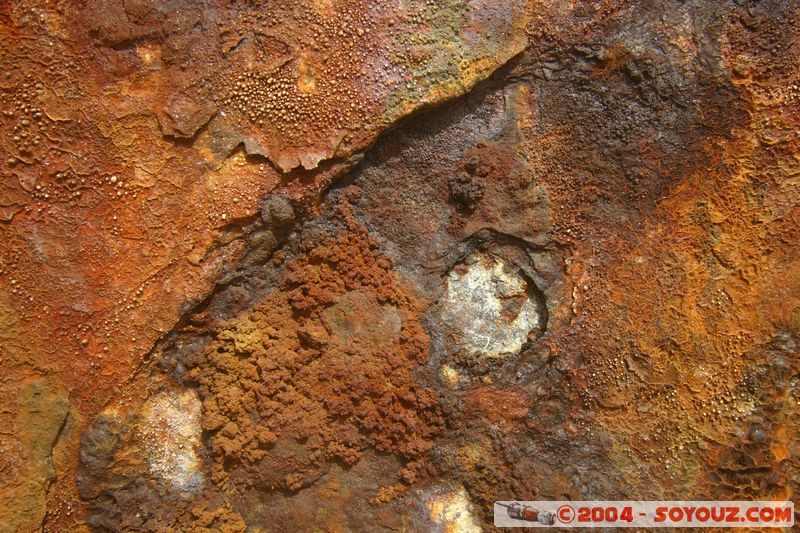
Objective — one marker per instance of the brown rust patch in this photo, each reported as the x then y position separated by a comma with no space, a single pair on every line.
312,374
503,407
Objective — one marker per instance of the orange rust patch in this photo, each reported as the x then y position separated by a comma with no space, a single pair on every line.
499,406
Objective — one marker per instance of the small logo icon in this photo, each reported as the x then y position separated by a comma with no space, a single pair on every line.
518,511
566,514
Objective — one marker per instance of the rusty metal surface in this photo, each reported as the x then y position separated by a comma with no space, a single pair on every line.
365,265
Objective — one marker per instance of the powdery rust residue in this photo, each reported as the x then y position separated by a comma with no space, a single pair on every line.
500,407
296,383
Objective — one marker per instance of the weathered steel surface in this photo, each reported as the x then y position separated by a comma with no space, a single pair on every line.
237,291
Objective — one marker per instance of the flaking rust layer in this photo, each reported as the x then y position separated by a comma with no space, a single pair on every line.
239,293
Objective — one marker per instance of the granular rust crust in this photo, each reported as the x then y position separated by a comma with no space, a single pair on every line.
246,250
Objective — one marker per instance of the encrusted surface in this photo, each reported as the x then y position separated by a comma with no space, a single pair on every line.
238,292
